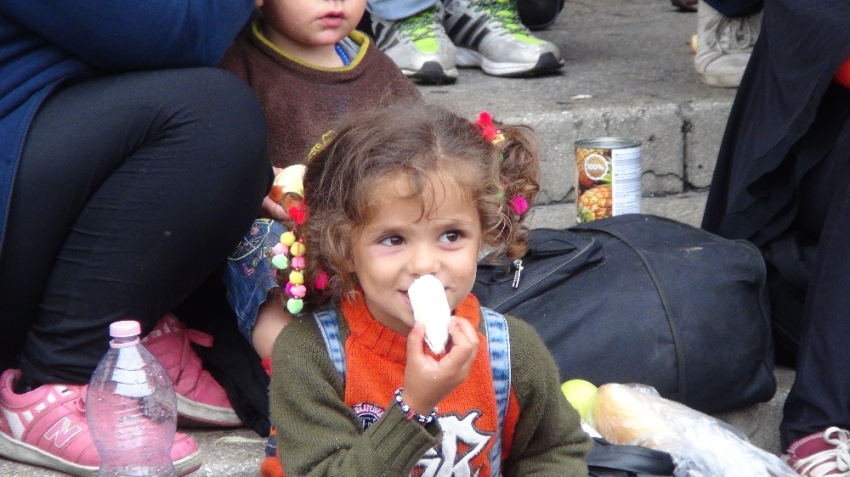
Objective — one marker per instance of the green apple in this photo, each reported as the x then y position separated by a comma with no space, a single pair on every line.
581,394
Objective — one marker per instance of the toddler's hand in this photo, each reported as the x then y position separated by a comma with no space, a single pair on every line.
270,208
428,380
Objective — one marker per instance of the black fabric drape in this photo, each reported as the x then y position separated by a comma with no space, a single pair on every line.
802,44
782,181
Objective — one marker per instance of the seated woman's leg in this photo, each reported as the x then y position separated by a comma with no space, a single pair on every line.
820,396
131,191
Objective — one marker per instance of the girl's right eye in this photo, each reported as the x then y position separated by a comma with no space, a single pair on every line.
393,240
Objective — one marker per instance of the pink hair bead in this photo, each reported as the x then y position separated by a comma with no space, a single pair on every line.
298,291
321,280
518,205
280,249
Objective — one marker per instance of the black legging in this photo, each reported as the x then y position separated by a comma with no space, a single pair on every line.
820,396
131,191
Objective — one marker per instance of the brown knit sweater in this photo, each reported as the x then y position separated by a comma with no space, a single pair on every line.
301,101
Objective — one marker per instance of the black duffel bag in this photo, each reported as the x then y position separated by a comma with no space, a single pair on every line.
644,299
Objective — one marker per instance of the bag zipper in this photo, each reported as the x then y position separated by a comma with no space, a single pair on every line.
517,273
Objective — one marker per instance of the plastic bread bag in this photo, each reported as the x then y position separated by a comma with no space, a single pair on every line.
701,445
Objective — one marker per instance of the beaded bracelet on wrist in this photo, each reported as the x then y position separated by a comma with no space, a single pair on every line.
411,414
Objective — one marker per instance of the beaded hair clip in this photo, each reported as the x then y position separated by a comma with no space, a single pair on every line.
288,254
517,203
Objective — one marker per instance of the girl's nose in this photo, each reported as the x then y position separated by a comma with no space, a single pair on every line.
424,260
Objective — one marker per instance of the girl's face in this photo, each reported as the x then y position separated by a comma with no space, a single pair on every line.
401,244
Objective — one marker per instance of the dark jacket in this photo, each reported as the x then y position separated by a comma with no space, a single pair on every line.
96,38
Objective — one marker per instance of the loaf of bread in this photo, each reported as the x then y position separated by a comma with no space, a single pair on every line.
700,444
623,416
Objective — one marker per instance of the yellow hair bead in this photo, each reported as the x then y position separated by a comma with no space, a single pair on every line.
287,238
297,249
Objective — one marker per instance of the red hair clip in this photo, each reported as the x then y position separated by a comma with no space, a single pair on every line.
298,214
488,129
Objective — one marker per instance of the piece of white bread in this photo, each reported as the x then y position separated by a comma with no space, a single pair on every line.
430,306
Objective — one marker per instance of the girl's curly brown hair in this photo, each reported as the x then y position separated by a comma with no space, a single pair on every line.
414,140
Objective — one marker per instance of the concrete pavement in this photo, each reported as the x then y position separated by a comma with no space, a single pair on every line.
632,59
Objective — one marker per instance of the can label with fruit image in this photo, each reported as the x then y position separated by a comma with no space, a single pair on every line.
608,170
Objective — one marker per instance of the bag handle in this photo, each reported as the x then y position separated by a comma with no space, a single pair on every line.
637,459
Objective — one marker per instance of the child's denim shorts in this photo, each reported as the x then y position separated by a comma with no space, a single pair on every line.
249,274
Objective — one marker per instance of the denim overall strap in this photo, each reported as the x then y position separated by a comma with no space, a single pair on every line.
499,346
328,325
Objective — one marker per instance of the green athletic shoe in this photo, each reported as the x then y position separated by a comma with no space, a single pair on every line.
488,34
418,45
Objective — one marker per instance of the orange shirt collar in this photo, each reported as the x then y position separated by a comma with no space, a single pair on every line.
385,342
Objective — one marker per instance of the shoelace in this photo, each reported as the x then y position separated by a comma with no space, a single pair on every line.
200,338
504,11
189,336
422,25
730,34
824,462
80,402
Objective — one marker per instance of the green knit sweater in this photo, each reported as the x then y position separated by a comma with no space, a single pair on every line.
318,435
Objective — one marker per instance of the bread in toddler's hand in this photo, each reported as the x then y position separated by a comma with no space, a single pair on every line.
431,308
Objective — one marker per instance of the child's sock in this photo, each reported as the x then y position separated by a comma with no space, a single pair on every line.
271,464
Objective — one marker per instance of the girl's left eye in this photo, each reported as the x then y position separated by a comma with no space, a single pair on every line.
392,240
450,236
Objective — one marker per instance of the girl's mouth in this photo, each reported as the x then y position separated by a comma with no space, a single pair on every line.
333,19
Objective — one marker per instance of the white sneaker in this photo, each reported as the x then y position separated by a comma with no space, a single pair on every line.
488,34
418,45
724,46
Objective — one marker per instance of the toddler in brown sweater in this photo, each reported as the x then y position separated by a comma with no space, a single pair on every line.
308,66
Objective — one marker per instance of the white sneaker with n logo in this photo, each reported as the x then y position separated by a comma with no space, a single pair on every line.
47,427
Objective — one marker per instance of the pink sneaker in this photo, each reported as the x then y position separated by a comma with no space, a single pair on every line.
822,454
47,427
200,399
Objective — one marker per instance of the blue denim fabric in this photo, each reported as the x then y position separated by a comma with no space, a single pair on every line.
398,9
249,274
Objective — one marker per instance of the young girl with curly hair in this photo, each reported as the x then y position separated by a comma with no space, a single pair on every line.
397,194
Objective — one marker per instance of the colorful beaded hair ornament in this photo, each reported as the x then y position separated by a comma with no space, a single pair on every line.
517,203
288,254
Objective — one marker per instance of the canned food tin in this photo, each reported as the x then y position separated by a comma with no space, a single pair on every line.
608,177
